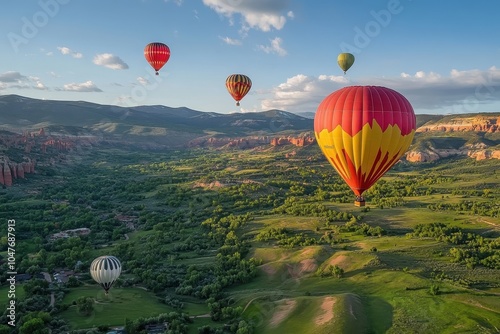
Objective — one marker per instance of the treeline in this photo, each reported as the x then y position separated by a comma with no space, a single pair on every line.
290,239
483,208
286,238
473,249
294,206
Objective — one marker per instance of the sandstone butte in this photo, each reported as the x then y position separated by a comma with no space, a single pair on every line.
10,171
480,151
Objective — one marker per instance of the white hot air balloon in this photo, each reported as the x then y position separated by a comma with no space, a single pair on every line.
105,270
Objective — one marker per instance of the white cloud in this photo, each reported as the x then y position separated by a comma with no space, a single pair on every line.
459,91
40,86
432,90
143,81
302,92
257,14
230,41
110,61
177,2
275,47
37,83
67,51
14,79
87,86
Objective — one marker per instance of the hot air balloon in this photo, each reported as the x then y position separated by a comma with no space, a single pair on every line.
157,54
105,270
363,131
238,86
345,61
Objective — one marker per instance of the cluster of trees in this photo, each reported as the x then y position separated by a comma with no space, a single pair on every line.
483,208
285,238
364,229
331,271
295,206
33,314
475,249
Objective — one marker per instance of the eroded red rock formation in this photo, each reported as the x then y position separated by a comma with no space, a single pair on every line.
7,177
480,123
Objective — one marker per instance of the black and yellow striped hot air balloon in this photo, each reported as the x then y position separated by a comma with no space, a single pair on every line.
238,85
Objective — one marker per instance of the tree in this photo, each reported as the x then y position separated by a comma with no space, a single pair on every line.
73,282
337,271
4,329
85,305
434,290
34,326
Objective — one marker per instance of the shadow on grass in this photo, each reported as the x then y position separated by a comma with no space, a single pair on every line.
379,314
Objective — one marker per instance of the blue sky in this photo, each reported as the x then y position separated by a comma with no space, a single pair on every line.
444,56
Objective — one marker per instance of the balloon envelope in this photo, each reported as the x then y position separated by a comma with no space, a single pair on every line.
363,131
105,270
238,85
345,61
157,55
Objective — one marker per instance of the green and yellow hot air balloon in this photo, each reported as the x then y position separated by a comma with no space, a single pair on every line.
345,61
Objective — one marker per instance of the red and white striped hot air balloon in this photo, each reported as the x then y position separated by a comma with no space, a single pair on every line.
157,55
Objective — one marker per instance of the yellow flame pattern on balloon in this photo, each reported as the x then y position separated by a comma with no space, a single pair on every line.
363,158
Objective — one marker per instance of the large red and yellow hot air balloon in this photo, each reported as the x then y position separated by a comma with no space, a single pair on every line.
157,55
363,131
238,85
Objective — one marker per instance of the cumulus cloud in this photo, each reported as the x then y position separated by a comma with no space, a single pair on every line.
302,92
110,61
274,47
230,41
459,87
87,86
67,51
257,14
14,79
12,76
40,86
37,83
459,91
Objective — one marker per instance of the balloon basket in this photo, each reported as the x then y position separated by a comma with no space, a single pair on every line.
359,203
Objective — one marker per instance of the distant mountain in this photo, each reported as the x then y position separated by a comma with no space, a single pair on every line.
306,114
17,112
475,135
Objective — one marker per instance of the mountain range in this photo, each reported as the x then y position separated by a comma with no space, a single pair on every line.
154,126
21,113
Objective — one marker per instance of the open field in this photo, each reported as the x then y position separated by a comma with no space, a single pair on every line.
112,309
